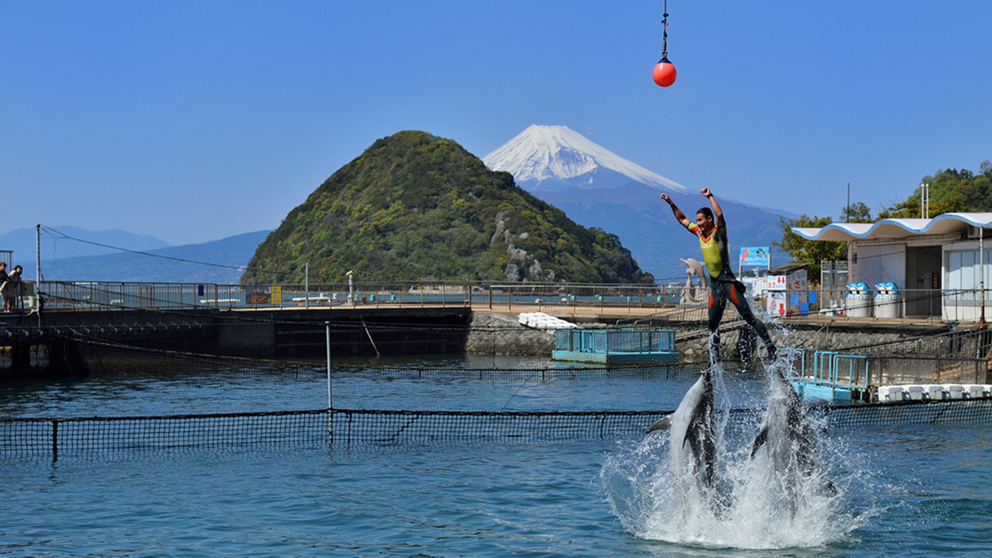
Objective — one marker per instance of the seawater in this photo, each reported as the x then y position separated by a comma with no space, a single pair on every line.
902,491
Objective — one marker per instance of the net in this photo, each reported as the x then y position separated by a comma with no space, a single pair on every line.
21,437
126,398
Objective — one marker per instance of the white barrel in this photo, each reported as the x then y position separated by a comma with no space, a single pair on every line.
888,305
858,305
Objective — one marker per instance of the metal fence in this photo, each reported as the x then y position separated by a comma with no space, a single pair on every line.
864,371
509,297
660,300
624,340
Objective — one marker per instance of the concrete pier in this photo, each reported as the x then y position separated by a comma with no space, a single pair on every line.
33,345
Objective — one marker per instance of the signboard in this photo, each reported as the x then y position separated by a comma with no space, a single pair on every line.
756,256
255,295
275,293
794,281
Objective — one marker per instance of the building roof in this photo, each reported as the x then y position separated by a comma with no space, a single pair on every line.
787,268
948,223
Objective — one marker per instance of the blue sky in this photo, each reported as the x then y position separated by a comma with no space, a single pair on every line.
193,121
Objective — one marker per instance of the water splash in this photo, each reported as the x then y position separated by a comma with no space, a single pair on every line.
759,502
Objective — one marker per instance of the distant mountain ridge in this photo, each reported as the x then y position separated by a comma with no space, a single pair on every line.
174,264
81,242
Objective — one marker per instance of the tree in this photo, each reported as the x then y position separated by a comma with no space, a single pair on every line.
858,212
951,190
810,252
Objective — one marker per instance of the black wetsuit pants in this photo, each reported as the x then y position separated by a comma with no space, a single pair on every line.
722,290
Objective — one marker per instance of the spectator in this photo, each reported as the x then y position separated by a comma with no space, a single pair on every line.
11,288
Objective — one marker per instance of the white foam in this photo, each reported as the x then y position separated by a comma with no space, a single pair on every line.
650,494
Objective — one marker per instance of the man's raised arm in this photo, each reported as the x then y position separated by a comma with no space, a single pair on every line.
717,212
676,211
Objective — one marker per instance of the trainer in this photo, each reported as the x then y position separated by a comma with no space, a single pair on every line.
711,229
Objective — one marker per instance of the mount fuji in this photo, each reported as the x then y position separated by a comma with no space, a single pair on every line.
549,158
598,188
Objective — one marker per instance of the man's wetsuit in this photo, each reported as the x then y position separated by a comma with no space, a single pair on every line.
724,286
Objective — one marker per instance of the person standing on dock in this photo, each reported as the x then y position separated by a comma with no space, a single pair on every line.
711,229
11,287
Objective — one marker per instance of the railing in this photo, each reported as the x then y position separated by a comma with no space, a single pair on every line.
928,370
849,370
625,340
662,301
905,305
543,297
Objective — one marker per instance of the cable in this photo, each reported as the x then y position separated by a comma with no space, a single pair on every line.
63,235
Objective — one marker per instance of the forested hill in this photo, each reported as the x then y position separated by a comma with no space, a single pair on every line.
951,190
417,207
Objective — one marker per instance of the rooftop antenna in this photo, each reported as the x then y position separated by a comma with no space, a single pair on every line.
925,200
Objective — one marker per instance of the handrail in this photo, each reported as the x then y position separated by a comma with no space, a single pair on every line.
662,301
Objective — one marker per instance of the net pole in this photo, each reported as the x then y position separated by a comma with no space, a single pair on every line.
327,331
330,401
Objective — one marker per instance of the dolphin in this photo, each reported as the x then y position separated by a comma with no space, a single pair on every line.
693,427
790,440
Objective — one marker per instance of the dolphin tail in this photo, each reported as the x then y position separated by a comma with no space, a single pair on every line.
759,441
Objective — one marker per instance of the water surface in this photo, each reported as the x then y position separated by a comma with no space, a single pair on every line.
904,491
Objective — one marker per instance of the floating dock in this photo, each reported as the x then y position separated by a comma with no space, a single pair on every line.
845,378
933,392
837,378
611,346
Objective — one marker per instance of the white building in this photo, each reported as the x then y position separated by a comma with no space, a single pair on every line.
940,265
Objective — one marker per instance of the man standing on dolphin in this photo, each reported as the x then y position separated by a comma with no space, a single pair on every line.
711,229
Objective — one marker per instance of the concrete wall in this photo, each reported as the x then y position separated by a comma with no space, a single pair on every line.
493,333
500,334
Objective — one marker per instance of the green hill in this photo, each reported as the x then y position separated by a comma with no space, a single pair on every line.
418,207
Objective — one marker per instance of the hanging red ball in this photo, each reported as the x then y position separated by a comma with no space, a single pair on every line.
664,72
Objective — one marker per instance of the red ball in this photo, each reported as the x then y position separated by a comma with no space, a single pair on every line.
664,72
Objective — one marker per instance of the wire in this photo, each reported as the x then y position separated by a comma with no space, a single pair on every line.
664,26
63,235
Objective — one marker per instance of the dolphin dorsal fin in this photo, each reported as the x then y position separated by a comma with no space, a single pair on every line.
759,441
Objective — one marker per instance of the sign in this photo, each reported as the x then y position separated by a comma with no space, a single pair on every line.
255,295
756,256
794,281
275,293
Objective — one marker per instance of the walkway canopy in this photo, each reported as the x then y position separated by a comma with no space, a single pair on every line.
948,223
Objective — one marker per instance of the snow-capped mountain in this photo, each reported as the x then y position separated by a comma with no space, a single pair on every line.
555,157
597,188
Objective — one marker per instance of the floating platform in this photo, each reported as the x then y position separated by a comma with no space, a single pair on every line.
837,378
613,346
844,378
834,393
933,392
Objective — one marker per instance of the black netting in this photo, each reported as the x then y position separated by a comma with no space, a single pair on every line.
133,399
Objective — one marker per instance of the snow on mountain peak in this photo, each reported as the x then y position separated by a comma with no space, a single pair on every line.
558,153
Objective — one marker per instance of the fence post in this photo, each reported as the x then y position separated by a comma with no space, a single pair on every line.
330,400
327,332
55,439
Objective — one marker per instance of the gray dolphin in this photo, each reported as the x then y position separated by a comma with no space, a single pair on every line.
790,439
700,430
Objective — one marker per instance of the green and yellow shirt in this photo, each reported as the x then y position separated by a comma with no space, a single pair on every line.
715,250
